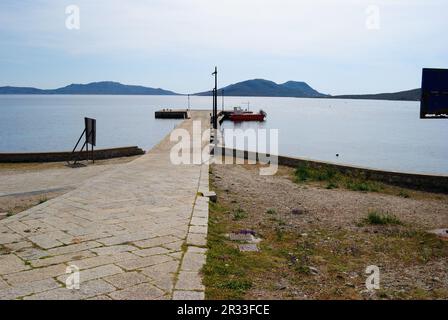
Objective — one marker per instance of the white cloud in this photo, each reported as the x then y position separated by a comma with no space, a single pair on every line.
272,28
321,41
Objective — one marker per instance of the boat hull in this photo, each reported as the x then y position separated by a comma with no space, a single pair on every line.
247,117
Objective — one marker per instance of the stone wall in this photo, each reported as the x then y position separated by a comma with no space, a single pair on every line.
423,182
99,154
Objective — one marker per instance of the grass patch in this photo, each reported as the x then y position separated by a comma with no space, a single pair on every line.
334,179
271,211
236,285
300,258
332,185
364,186
229,273
382,218
279,221
404,194
306,173
216,207
239,214
279,233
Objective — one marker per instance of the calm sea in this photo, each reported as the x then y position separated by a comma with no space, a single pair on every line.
378,134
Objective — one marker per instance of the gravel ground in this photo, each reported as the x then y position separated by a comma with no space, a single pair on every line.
330,208
413,264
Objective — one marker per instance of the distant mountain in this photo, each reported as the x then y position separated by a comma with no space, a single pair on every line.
20,90
409,95
105,87
266,88
249,88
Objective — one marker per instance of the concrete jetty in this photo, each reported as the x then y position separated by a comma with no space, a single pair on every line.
172,114
137,231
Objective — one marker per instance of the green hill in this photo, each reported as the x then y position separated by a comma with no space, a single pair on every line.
104,87
409,95
266,88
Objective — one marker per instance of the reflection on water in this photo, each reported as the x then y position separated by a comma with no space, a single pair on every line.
378,134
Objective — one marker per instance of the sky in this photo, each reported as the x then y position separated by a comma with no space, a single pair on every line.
336,46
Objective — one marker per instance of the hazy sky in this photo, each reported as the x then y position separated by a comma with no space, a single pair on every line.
174,44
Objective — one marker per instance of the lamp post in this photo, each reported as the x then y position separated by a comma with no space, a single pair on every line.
215,100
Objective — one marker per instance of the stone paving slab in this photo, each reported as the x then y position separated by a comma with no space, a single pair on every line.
142,262
124,229
87,290
188,295
127,279
144,291
23,277
51,260
47,180
199,240
94,273
11,263
189,280
193,261
27,289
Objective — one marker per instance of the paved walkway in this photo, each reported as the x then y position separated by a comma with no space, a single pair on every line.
137,231
48,179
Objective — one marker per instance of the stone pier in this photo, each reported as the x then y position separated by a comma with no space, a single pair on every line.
136,231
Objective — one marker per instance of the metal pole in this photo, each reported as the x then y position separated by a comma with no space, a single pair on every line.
216,97
213,108
216,109
215,100
80,153
74,149
88,135
87,148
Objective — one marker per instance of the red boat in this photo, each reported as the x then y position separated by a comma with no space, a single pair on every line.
239,115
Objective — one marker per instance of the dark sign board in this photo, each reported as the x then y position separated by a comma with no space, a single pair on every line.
90,131
434,100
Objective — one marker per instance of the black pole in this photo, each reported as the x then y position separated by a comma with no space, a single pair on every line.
216,109
88,136
213,108
74,149
215,125
215,100
87,147
80,154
